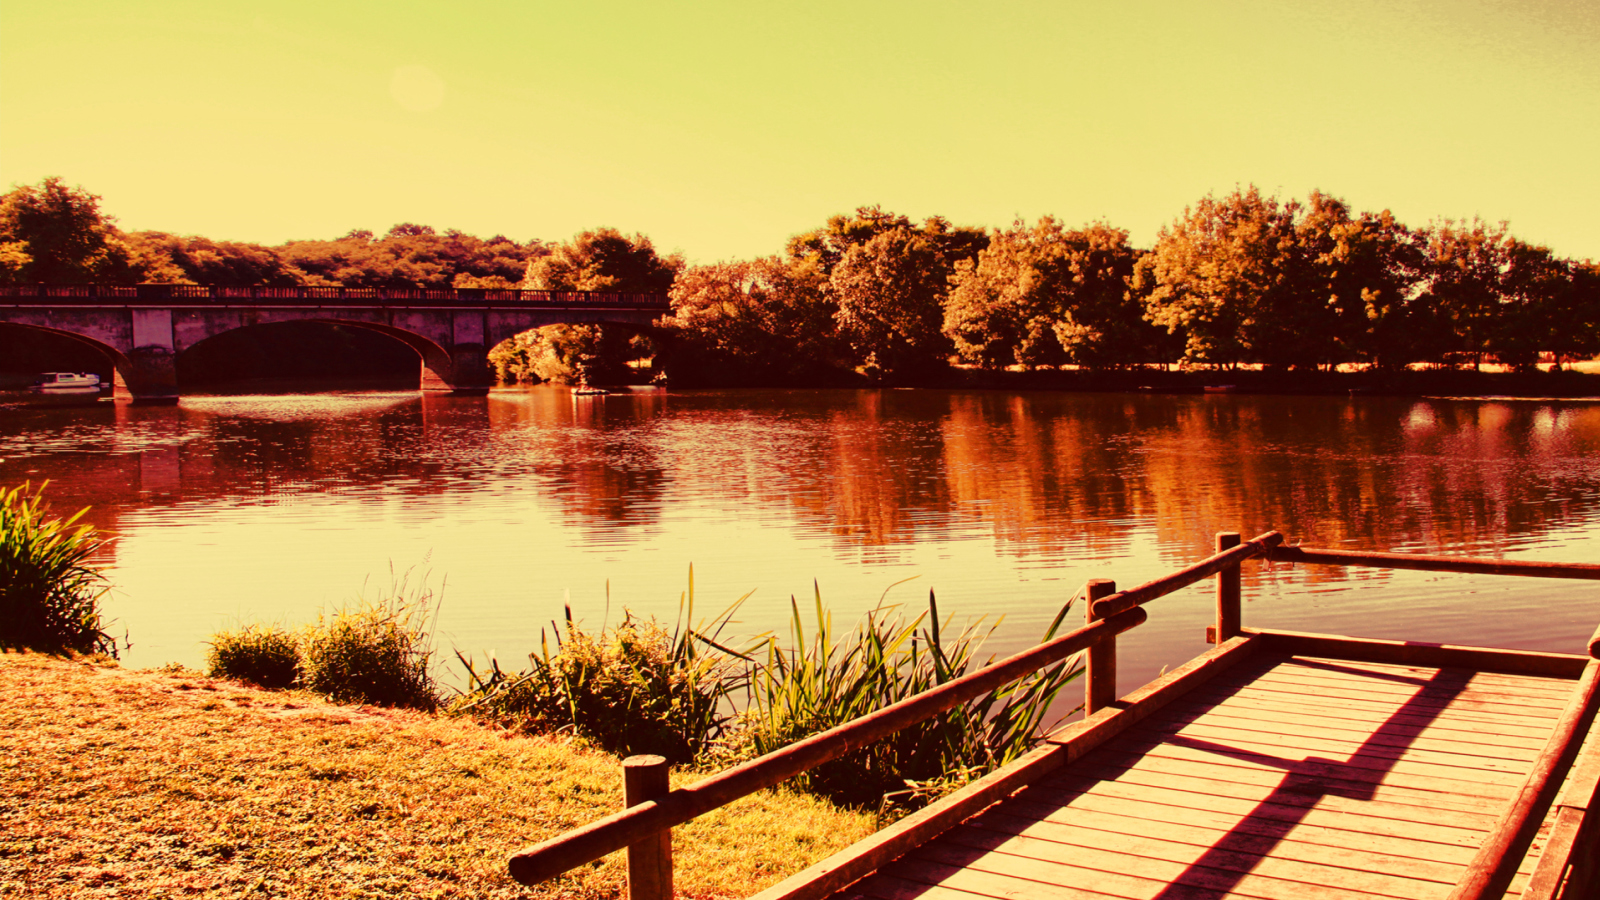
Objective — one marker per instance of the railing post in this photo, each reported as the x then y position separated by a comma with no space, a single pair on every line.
1100,674
1229,615
644,778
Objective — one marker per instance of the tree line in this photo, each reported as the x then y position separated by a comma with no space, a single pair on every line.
1241,279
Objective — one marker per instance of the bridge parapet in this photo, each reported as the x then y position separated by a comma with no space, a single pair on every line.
207,295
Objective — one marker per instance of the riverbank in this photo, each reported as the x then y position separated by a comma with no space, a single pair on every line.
1582,382
161,782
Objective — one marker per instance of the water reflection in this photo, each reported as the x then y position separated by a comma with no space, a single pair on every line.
1001,501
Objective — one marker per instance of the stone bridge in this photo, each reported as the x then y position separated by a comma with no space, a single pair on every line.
142,328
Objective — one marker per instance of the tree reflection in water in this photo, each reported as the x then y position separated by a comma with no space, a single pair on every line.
1004,502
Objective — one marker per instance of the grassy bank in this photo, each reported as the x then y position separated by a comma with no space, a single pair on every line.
157,784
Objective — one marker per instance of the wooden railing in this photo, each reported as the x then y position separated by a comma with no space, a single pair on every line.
644,825
162,294
1491,870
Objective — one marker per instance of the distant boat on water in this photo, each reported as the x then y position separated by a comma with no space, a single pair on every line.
67,383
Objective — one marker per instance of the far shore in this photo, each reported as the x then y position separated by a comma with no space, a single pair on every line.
1577,382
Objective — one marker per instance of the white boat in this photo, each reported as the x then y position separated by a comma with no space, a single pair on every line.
66,383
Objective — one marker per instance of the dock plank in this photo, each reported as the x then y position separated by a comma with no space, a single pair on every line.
1174,857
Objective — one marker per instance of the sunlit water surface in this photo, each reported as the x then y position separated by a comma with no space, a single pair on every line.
238,509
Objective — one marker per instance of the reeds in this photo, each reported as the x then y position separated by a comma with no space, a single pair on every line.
686,695
829,679
633,688
49,596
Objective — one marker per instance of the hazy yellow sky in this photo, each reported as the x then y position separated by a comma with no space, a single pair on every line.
719,129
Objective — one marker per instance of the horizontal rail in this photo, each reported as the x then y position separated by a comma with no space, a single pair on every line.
140,294
575,848
1177,581
1491,870
1476,565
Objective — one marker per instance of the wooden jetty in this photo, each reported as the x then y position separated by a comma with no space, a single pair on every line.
1277,765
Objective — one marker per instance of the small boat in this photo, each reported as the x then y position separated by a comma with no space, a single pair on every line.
584,390
67,383
1221,388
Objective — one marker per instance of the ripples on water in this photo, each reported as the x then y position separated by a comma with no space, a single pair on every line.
244,508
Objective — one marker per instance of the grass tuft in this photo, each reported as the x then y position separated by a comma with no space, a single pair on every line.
267,656
830,679
634,688
49,597
378,651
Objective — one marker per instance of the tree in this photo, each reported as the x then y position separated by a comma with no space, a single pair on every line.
1248,279
1575,331
765,320
1373,266
412,256
56,234
603,260
887,279
567,354
173,259
1466,269
1043,295
890,292
1221,276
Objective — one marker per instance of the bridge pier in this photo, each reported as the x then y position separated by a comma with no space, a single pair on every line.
465,370
151,372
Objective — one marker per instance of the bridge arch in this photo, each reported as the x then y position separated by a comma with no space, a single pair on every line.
118,363
437,371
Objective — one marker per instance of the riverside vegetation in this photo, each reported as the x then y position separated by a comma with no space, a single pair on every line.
327,761
49,595
684,693
1244,279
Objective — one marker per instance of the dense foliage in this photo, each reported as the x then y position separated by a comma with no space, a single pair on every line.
1241,279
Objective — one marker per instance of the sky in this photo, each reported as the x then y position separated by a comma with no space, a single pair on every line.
720,129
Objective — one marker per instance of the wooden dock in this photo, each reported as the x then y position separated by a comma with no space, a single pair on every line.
1277,765
1285,777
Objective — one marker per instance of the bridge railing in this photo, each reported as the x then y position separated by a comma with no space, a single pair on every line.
151,294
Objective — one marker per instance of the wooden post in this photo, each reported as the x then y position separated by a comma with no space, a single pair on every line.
644,778
1229,616
1100,681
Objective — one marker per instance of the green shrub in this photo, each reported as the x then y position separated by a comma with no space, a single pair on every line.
264,655
49,597
379,652
635,688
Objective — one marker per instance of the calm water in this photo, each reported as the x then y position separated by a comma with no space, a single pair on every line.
232,509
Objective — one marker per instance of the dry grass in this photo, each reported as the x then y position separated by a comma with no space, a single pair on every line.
115,783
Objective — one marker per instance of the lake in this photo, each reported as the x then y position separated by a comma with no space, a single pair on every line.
231,509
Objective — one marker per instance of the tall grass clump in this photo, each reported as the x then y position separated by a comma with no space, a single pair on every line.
683,694
265,655
377,650
828,679
49,596
633,688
